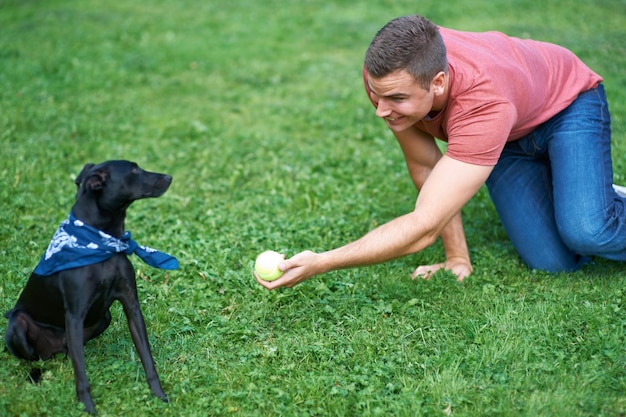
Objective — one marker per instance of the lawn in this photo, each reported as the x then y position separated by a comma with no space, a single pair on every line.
257,109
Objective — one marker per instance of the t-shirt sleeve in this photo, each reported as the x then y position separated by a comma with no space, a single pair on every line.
477,135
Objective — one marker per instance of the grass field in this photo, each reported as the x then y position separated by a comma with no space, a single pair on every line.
257,109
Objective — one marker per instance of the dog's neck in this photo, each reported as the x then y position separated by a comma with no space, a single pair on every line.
103,220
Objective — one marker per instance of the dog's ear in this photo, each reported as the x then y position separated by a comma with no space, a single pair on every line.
81,177
96,180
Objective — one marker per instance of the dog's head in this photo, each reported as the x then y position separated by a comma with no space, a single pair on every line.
116,184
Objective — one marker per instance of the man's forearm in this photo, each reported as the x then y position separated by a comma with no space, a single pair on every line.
401,236
453,239
436,214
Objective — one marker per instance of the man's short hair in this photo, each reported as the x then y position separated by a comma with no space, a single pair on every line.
411,43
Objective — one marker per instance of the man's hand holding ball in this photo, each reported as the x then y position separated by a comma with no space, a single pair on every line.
266,266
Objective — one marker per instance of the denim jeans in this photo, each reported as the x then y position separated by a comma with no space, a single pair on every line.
553,189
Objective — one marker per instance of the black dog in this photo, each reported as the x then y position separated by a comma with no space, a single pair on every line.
60,309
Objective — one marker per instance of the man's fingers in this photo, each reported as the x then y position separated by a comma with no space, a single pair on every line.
426,271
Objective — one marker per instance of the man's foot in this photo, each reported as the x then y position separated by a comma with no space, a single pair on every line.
620,190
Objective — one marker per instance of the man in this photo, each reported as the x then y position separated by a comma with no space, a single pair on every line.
527,118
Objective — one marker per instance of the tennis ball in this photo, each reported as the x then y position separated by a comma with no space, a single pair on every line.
266,265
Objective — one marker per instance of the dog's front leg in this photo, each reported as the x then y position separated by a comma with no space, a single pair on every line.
137,326
75,345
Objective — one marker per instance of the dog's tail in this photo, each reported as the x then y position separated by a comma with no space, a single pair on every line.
35,376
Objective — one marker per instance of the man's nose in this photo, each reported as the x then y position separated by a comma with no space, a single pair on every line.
382,110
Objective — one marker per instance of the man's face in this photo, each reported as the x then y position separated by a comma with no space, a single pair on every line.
402,101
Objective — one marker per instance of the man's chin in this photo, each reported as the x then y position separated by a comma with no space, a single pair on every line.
398,125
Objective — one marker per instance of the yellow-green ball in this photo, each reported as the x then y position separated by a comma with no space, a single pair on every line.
266,265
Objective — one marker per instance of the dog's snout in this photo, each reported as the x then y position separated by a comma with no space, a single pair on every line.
156,184
164,181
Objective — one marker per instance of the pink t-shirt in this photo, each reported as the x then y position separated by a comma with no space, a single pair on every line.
501,89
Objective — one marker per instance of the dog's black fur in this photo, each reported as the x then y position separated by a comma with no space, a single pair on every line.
60,313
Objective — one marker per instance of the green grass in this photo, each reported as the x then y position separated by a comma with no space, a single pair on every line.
257,109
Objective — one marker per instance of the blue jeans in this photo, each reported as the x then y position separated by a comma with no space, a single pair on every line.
553,189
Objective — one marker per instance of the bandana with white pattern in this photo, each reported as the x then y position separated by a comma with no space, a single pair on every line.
77,244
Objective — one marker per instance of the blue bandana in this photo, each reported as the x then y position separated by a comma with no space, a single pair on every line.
77,244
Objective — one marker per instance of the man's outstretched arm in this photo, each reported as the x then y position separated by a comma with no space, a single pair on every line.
448,187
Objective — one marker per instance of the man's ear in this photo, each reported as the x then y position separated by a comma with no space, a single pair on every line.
438,84
81,177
